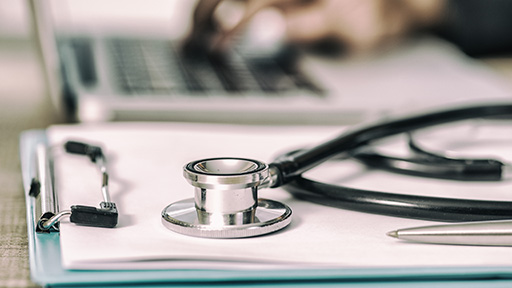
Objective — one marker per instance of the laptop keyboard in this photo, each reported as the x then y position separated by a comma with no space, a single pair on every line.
161,67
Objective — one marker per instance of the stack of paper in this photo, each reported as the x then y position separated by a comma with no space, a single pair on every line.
146,160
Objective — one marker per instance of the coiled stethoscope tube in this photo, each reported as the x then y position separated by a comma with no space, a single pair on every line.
434,165
213,213
290,167
287,168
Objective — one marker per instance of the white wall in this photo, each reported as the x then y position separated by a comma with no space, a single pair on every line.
172,16
13,19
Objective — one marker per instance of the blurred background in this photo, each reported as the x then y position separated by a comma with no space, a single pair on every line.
25,101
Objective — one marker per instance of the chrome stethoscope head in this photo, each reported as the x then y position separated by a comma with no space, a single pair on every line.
225,203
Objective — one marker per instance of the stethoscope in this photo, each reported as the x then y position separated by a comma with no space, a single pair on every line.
226,203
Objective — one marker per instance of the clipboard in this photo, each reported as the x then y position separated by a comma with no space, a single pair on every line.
47,269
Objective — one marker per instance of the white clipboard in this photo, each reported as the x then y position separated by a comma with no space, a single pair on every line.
50,266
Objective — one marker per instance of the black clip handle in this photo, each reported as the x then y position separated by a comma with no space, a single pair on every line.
93,152
106,216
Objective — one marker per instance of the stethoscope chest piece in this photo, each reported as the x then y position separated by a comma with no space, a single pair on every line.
225,203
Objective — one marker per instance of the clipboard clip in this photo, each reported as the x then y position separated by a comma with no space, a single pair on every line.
47,214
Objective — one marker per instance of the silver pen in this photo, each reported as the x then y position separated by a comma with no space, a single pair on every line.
483,233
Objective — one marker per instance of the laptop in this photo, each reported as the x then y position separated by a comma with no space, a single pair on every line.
95,75
132,72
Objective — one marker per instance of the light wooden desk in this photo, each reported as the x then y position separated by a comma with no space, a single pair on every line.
23,105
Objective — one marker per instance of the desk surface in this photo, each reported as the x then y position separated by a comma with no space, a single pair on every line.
25,105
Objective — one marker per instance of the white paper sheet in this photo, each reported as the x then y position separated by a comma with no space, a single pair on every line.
146,161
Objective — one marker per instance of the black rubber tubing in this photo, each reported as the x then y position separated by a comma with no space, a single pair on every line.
290,167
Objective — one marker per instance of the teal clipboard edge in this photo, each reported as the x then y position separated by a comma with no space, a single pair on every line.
46,267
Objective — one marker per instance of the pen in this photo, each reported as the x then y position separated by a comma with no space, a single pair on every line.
483,233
